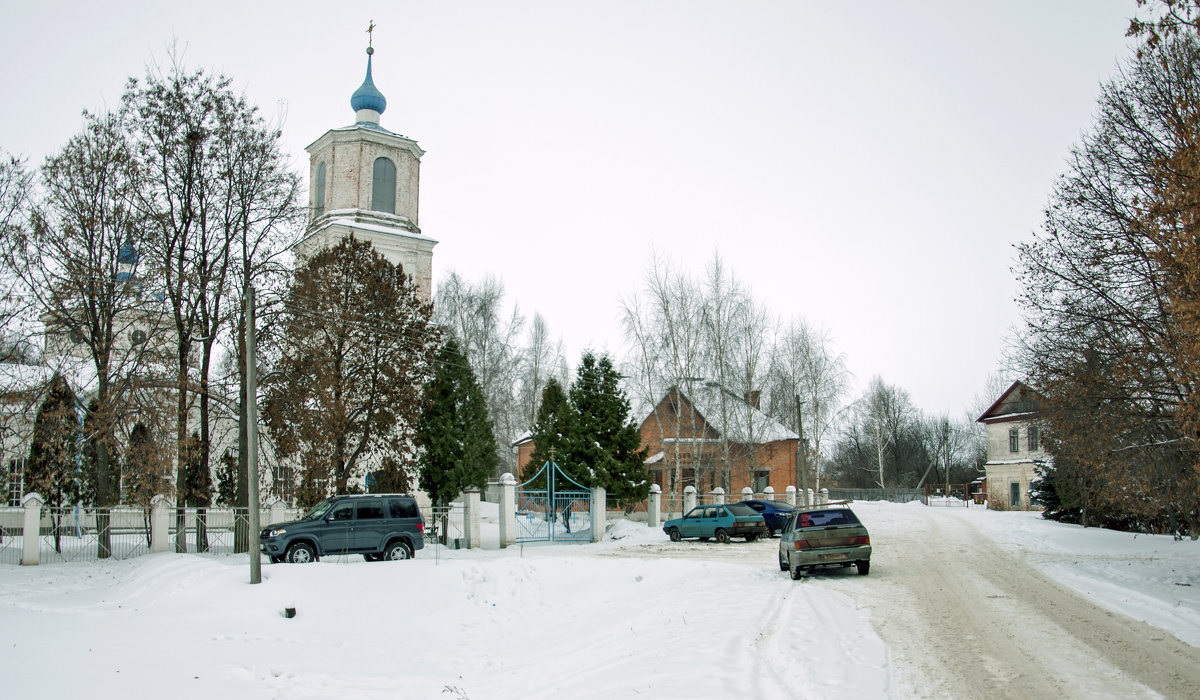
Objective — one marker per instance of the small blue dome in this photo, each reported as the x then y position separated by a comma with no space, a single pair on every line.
367,96
127,254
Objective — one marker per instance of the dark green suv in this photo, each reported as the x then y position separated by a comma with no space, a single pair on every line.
377,526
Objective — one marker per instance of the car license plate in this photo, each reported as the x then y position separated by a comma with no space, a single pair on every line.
827,557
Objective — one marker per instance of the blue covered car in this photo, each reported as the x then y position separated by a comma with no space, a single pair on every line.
775,513
719,522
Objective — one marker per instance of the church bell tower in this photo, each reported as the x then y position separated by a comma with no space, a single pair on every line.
365,180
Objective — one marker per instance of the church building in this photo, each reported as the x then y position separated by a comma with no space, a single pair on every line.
365,180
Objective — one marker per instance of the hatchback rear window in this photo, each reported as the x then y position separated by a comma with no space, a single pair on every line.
820,518
741,509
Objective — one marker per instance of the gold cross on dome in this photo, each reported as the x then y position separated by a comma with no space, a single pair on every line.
370,29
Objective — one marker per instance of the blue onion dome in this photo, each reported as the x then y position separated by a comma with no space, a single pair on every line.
367,96
127,254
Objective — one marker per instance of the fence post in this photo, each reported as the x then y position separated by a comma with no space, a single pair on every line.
471,517
747,493
824,496
652,508
508,510
769,493
689,499
32,529
160,522
808,497
278,511
791,495
718,495
599,512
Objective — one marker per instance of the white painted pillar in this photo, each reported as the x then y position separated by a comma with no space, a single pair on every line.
689,499
808,497
31,529
824,496
791,495
508,510
276,511
160,523
599,512
718,495
769,493
654,506
471,517
747,493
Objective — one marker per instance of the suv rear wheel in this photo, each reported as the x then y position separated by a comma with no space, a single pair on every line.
397,551
301,553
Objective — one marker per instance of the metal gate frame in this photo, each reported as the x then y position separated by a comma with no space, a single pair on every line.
540,510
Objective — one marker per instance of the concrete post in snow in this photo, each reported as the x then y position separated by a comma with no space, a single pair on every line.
824,496
718,496
689,499
808,497
471,517
32,530
791,495
769,493
653,506
508,510
599,512
747,493
160,523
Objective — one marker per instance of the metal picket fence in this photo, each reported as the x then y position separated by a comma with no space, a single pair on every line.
74,534
10,535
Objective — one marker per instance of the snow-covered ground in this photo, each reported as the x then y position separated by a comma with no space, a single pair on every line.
633,616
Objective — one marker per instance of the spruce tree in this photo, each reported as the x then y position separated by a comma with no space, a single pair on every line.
604,449
458,445
551,431
52,469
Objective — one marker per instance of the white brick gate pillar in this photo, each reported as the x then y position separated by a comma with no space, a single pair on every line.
689,499
808,498
654,506
769,493
160,523
718,495
747,494
277,510
471,517
824,496
791,495
32,529
599,512
508,510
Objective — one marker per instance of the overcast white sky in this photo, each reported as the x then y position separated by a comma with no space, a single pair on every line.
867,166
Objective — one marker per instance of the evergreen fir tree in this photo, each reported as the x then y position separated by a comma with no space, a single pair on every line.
551,431
226,490
52,469
455,433
604,449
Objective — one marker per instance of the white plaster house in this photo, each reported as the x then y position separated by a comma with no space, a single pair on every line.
1013,445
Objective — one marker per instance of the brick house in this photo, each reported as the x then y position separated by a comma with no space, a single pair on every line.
1013,447
685,437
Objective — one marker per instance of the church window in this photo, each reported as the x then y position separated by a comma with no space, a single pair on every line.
383,186
319,191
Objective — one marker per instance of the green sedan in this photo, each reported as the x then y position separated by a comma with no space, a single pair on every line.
717,522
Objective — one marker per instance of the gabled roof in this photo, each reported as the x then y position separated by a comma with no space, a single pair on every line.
743,418
1018,401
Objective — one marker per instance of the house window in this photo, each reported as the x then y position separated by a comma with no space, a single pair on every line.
1033,438
762,479
319,191
16,482
383,186
1014,440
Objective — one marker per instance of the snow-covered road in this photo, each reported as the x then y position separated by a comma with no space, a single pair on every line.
959,603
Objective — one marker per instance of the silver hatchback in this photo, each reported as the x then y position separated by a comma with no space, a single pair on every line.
828,535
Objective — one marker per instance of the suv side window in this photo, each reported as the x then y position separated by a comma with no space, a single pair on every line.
342,511
401,508
370,511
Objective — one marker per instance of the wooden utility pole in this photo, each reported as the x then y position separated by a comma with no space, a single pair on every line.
801,461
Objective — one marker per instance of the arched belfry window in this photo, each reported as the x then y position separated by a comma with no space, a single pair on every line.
319,191
383,186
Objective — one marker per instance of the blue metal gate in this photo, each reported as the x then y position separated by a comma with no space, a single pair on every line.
553,507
